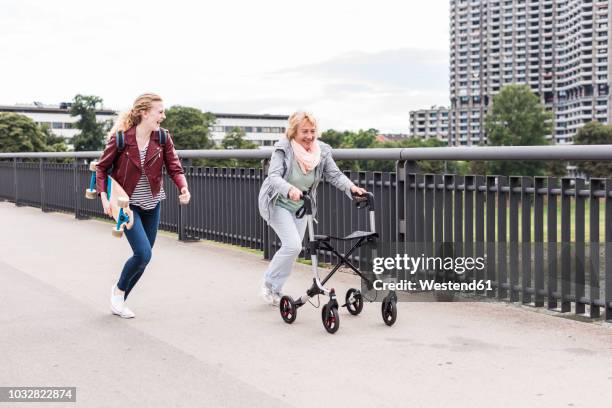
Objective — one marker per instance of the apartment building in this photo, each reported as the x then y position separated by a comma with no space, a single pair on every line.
559,48
430,123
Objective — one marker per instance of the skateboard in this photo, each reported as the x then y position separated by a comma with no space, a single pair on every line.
118,199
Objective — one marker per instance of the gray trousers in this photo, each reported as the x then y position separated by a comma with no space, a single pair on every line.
290,230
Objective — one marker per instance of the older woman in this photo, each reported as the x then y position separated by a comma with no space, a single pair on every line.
299,162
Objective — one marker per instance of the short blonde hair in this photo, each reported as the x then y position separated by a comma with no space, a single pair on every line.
296,119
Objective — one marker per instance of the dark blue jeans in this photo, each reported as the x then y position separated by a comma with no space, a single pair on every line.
141,238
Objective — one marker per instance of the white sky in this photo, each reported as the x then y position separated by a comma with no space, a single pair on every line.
354,64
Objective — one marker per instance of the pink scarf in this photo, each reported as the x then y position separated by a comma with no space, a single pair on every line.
307,160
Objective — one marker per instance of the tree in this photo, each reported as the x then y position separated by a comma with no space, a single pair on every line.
91,137
235,140
190,127
362,139
517,119
18,133
595,133
54,143
333,137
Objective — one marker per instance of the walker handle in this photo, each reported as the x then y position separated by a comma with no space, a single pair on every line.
306,208
364,201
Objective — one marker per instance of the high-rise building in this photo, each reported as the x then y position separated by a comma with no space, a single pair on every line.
560,49
429,123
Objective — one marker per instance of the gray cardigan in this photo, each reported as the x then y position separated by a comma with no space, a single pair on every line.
280,167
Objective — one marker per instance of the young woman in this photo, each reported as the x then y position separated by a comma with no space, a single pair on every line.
138,168
298,163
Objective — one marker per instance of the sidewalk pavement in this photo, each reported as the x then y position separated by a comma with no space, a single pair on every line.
202,337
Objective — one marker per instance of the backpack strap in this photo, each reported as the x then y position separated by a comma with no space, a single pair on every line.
163,136
120,141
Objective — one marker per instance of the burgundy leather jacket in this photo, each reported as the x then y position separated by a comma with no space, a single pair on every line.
126,165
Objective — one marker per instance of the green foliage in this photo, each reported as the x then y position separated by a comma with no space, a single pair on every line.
364,139
517,119
334,138
92,135
235,140
54,143
595,133
18,133
190,127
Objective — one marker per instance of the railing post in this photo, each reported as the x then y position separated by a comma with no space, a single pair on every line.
566,256
15,181
594,245
265,239
42,185
608,253
182,236
400,192
78,193
265,230
579,232
183,216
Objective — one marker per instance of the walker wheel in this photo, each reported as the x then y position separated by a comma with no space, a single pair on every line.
288,310
90,194
354,306
123,202
330,318
117,232
92,166
389,311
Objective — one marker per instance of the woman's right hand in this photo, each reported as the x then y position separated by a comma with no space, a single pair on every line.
295,194
105,204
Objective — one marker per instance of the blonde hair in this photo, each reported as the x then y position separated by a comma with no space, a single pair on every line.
296,119
133,116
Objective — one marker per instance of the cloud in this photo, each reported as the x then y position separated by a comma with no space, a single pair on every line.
405,68
351,91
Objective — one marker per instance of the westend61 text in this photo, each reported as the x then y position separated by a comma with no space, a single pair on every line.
430,285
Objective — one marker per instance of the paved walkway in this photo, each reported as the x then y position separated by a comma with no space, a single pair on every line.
201,337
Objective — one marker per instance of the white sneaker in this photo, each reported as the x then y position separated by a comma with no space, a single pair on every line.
116,302
276,297
266,293
127,313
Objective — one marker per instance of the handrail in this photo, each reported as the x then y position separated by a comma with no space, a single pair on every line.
571,152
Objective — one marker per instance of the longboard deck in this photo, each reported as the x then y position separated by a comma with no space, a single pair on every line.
116,191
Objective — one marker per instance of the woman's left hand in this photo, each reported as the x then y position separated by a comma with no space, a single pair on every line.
185,196
358,190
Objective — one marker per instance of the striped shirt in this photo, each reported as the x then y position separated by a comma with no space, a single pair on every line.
142,196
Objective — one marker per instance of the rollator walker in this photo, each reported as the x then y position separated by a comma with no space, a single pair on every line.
354,298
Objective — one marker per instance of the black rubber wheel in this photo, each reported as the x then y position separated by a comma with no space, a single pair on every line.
356,306
330,318
389,311
288,310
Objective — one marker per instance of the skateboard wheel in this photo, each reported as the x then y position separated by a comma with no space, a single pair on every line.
123,202
91,194
117,233
92,165
130,214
